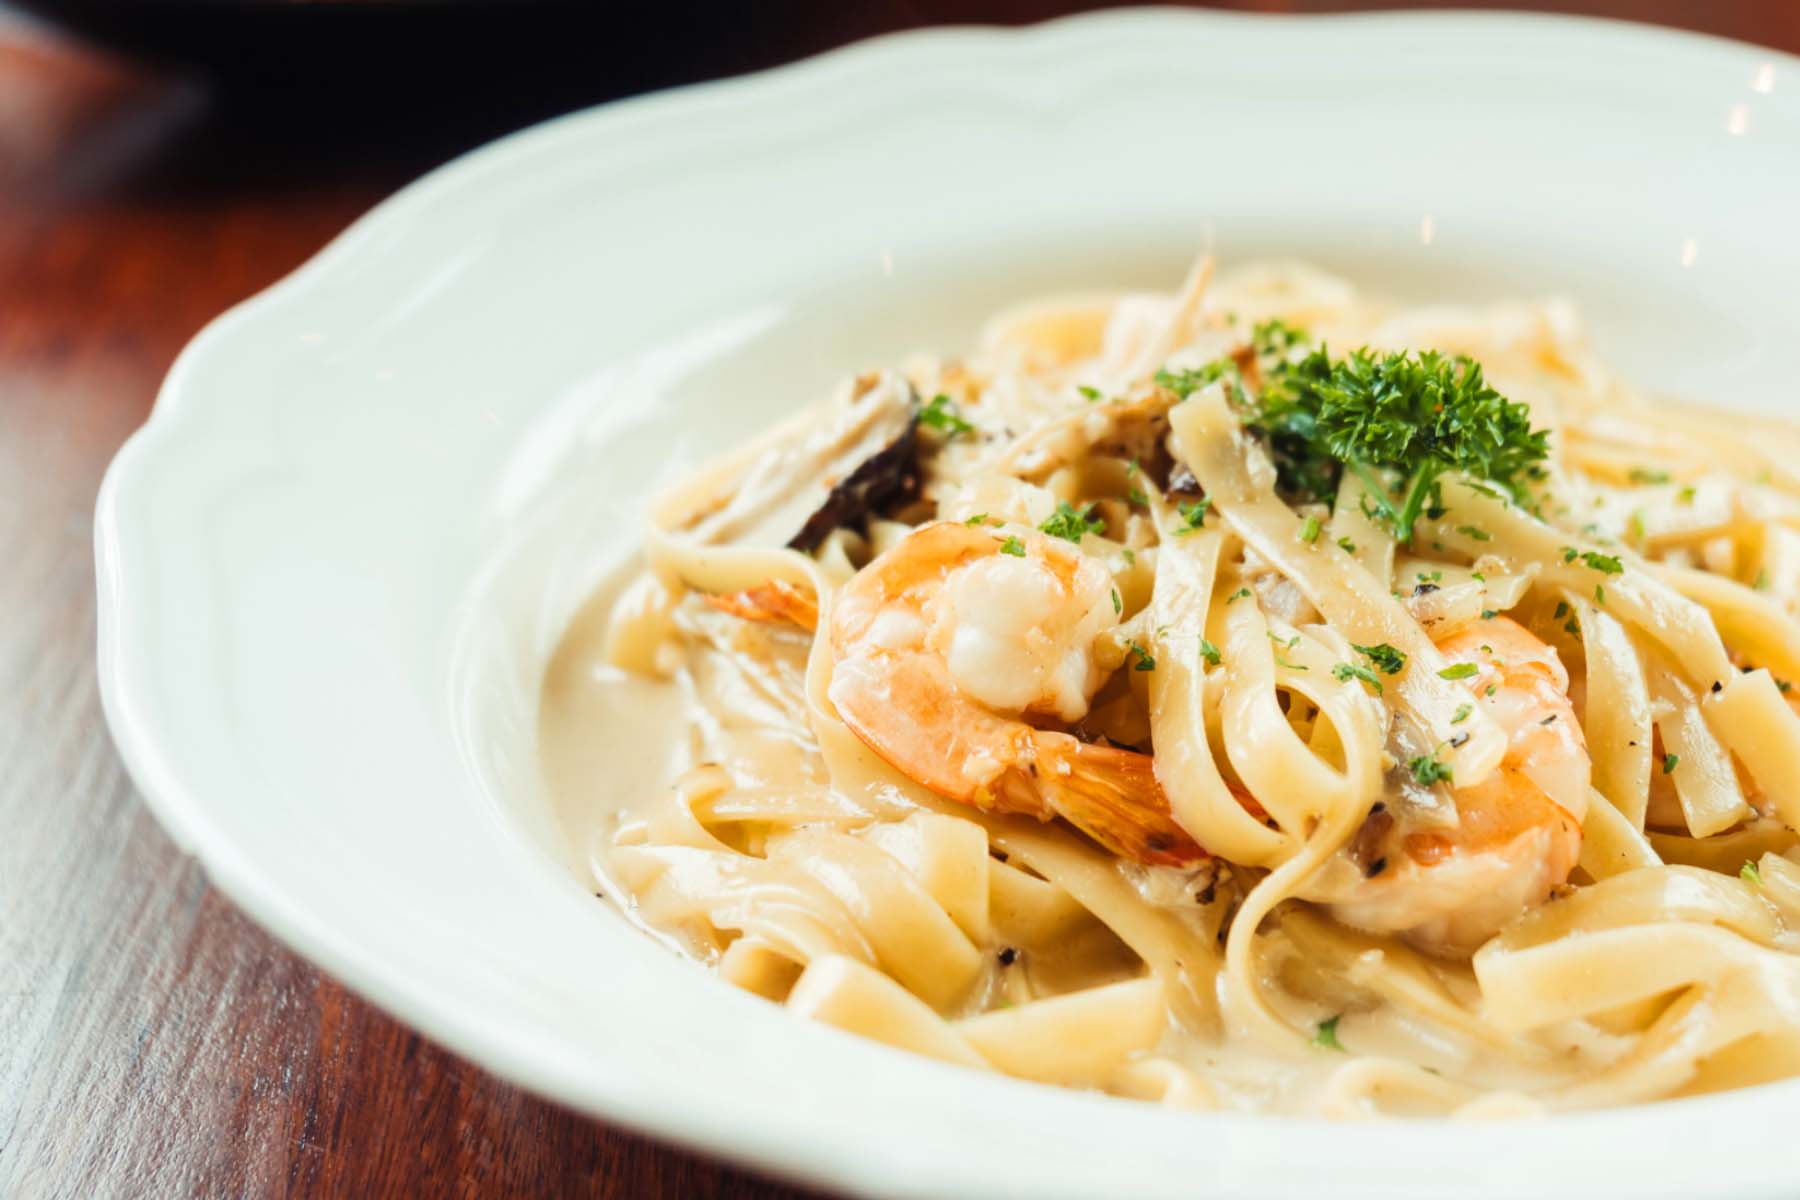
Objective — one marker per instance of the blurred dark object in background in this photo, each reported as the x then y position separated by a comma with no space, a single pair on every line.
296,84
440,75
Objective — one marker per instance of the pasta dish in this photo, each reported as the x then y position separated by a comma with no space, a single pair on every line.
1261,696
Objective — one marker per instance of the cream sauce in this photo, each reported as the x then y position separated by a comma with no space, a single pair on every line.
603,798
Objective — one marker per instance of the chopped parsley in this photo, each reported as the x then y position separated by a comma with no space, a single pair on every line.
1390,659
1118,604
1461,670
1562,610
1275,336
1072,524
1646,475
1092,393
1685,495
1344,672
1669,761
1013,546
1462,713
1488,614
978,519
1326,1037
1413,416
1185,383
1470,531
1209,652
1749,874
1136,495
1600,593
1287,644
1427,770
1606,564
1310,529
1129,555
1144,660
1193,514
1346,545
943,415
1237,595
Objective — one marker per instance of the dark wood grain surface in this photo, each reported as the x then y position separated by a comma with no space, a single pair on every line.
152,1040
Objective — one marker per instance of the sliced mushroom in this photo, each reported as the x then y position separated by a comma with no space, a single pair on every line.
858,456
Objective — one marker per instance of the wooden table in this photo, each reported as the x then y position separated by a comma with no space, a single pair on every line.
152,1040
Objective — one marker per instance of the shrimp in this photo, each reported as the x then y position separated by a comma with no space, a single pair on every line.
775,600
951,651
1516,835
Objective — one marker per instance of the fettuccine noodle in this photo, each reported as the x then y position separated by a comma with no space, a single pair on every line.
1150,701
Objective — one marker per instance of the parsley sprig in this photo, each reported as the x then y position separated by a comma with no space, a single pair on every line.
1412,416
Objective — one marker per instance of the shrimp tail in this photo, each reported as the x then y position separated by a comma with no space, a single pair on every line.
776,600
1112,796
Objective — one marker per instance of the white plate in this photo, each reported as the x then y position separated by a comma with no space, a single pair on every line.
332,564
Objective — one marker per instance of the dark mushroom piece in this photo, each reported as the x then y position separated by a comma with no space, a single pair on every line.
859,455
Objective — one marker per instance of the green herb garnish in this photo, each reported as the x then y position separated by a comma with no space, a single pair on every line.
1326,1035
1390,659
1193,515
1310,529
1013,546
1462,713
1275,336
1209,652
1427,770
1461,670
1646,475
942,415
1669,761
1145,661
1346,671
1606,564
1072,524
1093,394
1749,874
1414,416
1185,383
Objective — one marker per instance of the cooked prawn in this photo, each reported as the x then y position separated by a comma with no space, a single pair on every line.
1516,835
951,644
773,600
